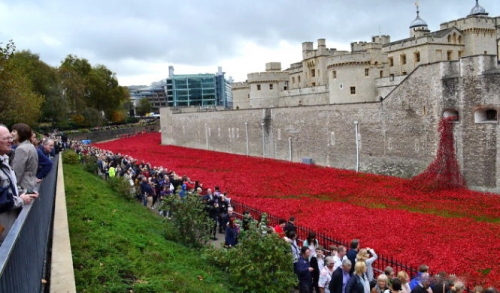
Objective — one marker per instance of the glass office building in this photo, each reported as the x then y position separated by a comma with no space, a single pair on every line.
201,90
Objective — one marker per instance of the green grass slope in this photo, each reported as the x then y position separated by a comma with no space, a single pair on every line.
119,246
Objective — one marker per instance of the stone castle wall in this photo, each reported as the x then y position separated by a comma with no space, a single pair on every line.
397,136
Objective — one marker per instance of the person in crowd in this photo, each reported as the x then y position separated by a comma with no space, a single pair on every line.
278,229
477,289
423,285
395,287
317,261
353,251
405,280
311,242
389,271
211,208
367,255
294,246
340,256
222,216
382,284
358,283
247,220
44,162
340,277
325,275
147,192
25,160
290,226
423,268
303,270
11,199
231,234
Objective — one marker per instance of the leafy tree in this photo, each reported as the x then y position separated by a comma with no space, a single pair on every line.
189,220
260,260
92,117
18,101
143,107
45,81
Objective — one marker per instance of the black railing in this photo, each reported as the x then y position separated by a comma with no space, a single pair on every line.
23,254
326,240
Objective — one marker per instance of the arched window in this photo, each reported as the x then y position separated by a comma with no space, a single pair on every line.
485,115
460,39
449,38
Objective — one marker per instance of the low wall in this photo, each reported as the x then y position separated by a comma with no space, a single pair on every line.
97,136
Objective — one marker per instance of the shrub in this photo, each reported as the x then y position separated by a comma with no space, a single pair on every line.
122,186
90,164
260,260
189,219
70,157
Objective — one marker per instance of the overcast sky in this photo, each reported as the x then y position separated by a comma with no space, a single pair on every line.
139,39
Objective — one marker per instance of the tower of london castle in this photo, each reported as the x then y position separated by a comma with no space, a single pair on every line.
371,70
373,109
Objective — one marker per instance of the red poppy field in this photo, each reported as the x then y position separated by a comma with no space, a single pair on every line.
457,230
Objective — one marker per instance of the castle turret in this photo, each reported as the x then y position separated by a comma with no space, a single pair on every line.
478,10
418,27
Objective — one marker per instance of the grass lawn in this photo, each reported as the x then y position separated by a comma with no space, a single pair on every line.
119,246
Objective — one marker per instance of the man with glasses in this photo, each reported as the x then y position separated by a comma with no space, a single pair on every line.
10,200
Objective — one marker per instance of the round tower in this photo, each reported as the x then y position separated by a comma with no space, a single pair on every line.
418,27
478,10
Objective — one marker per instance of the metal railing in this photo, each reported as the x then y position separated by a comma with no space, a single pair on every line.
327,240
24,252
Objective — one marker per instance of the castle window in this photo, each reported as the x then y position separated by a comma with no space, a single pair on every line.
417,57
451,113
313,73
313,84
460,39
449,55
258,87
460,54
391,77
293,79
381,73
298,78
449,38
485,115
271,86
353,90
391,61
403,59
367,72
334,74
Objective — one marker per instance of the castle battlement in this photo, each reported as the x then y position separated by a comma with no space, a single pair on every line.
268,77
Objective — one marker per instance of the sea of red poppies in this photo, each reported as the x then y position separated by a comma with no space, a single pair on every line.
457,230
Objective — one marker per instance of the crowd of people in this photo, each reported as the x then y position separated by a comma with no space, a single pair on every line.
333,270
25,160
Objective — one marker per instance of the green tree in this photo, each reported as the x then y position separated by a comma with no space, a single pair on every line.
18,101
260,260
74,73
45,81
93,117
144,107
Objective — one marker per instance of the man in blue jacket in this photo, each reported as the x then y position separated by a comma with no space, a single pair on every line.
303,270
44,162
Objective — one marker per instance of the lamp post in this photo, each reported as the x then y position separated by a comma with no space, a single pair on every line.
356,123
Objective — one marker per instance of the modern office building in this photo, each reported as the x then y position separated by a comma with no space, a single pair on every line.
155,95
201,90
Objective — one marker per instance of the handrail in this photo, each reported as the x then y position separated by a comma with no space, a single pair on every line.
23,254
